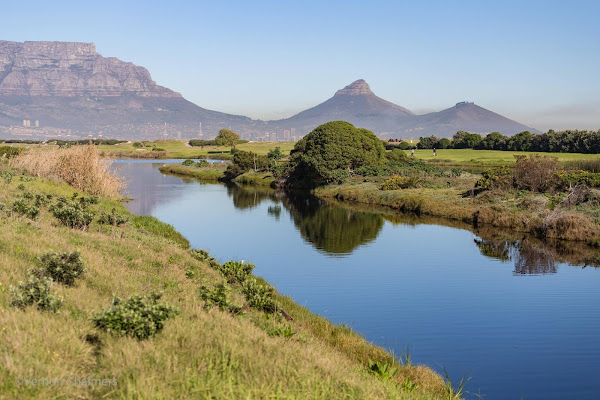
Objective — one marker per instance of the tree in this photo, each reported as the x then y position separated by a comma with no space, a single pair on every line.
227,138
275,154
429,142
331,152
520,142
493,141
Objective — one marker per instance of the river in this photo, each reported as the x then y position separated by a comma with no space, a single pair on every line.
518,316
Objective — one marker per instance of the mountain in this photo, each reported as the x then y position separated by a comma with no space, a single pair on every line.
71,89
464,116
51,89
357,104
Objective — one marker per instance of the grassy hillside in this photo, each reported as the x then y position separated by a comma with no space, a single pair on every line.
200,353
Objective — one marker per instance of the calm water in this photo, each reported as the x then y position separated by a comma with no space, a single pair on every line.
520,317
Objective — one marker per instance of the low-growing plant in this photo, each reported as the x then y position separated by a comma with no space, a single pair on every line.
285,332
24,208
455,390
35,291
382,370
62,267
7,176
259,296
21,186
236,271
400,182
188,163
139,317
202,255
112,219
408,385
217,297
202,163
74,214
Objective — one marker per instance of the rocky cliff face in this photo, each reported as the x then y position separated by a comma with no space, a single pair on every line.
69,70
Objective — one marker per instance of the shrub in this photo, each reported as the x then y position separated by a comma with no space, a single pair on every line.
24,208
563,179
35,291
139,317
74,214
236,271
188,163
112,219
400,182
8,151
217,297
7,176
202,163
62,267
397,156
497,177
259,296
321,156
158,149
534,172
137,145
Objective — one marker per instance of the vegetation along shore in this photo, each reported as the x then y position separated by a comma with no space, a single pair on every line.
88,289
550,196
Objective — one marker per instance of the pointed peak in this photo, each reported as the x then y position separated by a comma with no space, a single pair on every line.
356,88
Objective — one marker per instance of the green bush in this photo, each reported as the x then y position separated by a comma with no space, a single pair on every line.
7,176
217,297
236,271
397,156
400,182
285,332
202,163
74,214
35,291
112,219
259,296
24,208
563,179
330,152
188,163
139,317
158,149
497,177
62,267
382,370
8,151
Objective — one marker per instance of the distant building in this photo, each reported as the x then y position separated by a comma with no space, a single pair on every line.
200,131
286,135
293,132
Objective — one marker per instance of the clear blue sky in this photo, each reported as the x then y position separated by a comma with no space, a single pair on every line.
534,61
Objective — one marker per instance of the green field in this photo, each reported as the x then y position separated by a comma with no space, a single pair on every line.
180,149
489,157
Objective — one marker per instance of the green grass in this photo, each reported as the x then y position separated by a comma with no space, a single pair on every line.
489,157
180,149
198,354
214,172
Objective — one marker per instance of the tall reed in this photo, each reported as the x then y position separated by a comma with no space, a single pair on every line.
79,166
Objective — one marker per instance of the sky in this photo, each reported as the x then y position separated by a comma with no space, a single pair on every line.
533,61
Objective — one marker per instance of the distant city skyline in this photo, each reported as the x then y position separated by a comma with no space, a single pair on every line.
532,61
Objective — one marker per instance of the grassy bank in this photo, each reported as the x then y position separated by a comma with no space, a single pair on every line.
542,215
215,172
180,149
200,352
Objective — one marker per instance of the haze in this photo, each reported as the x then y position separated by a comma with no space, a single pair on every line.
535,62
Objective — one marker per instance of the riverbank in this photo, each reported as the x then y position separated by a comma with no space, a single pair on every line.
537,214
199,352
216,172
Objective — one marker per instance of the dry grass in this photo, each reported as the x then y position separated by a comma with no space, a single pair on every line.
79,166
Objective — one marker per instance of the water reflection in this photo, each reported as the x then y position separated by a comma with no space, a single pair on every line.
330,228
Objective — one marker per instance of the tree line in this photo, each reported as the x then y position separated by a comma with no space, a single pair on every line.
569,141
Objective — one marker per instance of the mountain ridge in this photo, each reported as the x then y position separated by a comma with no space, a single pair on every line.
70,89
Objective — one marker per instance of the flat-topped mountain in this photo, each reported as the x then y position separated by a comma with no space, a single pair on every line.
71,89
71,69
64,88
